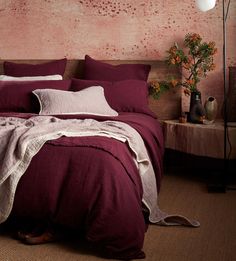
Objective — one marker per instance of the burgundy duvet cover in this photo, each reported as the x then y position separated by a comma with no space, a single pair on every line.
92,183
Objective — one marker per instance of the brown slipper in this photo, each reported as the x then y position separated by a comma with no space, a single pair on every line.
24,233
46,237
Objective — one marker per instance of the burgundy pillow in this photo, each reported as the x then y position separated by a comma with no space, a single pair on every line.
97,70
20,69
122,96
18,97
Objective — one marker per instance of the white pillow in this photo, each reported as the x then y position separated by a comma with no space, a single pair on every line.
31,78
87,101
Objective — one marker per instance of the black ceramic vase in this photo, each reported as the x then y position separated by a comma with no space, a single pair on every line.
197,111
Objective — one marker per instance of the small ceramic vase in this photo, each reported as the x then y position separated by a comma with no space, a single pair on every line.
211,108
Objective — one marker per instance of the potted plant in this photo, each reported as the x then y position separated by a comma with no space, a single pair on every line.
195,60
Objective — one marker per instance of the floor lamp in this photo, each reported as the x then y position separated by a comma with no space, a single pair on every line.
205,5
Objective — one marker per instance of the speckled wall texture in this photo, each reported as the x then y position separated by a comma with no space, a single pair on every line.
111,29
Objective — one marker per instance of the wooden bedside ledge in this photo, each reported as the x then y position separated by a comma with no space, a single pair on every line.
199,139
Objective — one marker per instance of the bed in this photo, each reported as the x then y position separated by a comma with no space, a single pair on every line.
94,181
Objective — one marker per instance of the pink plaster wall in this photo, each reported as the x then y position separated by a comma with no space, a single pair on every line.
111,29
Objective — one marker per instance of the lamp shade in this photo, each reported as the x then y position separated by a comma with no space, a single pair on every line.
205,5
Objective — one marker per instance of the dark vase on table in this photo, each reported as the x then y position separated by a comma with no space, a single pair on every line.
197,111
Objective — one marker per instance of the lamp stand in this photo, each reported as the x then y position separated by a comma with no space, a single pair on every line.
223,174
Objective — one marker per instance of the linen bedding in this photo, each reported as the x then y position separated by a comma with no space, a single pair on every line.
93,183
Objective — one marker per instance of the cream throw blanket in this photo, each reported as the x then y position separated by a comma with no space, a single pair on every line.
21,139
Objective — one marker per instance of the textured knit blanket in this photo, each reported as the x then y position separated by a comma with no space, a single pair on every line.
21,139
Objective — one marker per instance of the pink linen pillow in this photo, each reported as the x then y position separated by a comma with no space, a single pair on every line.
17,96
97,70
122,96
49,68
87,101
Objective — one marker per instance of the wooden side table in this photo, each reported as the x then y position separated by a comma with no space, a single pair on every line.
199,139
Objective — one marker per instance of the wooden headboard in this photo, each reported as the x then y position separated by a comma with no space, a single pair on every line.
167,107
